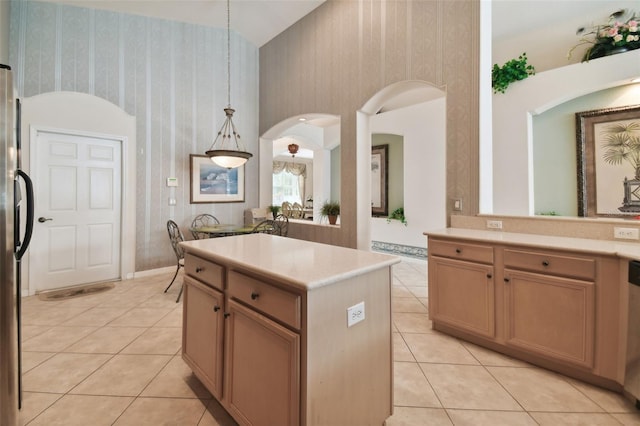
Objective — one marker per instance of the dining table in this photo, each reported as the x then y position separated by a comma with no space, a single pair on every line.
224,230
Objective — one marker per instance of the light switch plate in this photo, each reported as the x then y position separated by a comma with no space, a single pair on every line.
172,181
355,314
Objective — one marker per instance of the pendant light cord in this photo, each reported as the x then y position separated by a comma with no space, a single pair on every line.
228,54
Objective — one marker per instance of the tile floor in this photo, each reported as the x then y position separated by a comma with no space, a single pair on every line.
114,359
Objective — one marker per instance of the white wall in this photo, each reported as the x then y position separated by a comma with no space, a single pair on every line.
513,192
423,129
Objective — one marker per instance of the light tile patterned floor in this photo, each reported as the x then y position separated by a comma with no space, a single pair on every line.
114,359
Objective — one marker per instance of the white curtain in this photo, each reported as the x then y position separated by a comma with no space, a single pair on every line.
295,169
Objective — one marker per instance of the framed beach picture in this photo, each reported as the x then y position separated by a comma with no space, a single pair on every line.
211,183
608,154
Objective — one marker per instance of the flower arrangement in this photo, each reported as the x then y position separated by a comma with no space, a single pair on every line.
512,71
621,33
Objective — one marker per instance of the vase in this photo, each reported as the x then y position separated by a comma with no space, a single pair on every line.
332,219
616,50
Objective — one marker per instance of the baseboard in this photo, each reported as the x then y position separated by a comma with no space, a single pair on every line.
400,249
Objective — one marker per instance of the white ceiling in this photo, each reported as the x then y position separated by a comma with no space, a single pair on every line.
256,20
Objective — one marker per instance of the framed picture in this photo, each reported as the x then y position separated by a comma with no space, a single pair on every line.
608,154
379,180
211,183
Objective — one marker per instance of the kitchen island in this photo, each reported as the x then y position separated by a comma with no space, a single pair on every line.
289,332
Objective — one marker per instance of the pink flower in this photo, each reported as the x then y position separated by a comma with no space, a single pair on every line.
633,26
617,38
613,32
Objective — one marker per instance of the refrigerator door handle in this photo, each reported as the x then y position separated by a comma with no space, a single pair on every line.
29,225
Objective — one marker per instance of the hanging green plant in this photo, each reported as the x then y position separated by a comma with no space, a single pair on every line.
397,214
511,71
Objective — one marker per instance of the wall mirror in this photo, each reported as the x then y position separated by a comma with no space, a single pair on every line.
300,165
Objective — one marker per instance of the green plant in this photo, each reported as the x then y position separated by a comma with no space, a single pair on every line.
397,214
330,208
274,209
619,34
549,213
511,71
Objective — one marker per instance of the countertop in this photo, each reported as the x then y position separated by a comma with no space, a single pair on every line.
627,250
302,264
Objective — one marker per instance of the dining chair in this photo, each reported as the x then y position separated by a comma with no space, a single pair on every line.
282,224
176,237
200,221
296,211
286,208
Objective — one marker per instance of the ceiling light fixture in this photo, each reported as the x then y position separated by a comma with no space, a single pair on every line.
293,149
222,155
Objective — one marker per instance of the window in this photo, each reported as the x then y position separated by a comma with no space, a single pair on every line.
286,188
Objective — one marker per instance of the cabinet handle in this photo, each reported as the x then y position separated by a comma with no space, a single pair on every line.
506,280
216,308
545,263
254,296
227,314
489,276
458,251
198,270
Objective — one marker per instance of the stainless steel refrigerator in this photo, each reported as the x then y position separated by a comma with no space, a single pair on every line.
14,238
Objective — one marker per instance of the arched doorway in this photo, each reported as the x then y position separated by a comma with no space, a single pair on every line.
416,110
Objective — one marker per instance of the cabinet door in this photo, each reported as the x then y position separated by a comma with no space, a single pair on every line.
202,333
262,372
551,316
461,294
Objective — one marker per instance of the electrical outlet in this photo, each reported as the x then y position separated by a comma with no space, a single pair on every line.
494,224
172,201
355,314
457,204
625,233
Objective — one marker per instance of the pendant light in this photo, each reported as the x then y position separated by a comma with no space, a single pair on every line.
222,150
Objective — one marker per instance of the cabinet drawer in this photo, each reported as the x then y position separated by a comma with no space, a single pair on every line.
461,250
555,264
204,270
277,303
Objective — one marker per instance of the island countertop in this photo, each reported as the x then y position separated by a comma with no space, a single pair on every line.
302,264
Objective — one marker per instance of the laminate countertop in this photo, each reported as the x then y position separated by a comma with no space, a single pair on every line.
302,264
626,250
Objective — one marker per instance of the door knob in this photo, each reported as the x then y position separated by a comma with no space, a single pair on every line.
44,219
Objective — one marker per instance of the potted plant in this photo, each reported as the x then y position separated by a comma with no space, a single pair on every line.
398,214
274,209
512,71
331,209
619,34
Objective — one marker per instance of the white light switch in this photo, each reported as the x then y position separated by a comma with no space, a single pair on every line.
172,181
355,314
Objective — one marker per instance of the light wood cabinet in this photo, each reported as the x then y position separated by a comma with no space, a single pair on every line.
462,295
202,336
280,351
262,381
550,316
551,307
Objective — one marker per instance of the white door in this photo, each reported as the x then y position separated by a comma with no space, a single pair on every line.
76,236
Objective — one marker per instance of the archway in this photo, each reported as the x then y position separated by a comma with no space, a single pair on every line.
415,110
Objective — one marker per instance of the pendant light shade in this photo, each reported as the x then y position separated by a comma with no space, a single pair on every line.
227,149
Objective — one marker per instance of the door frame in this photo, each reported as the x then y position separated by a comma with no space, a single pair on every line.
91,114
35,130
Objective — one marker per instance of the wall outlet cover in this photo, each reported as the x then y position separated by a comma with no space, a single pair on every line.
355,314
